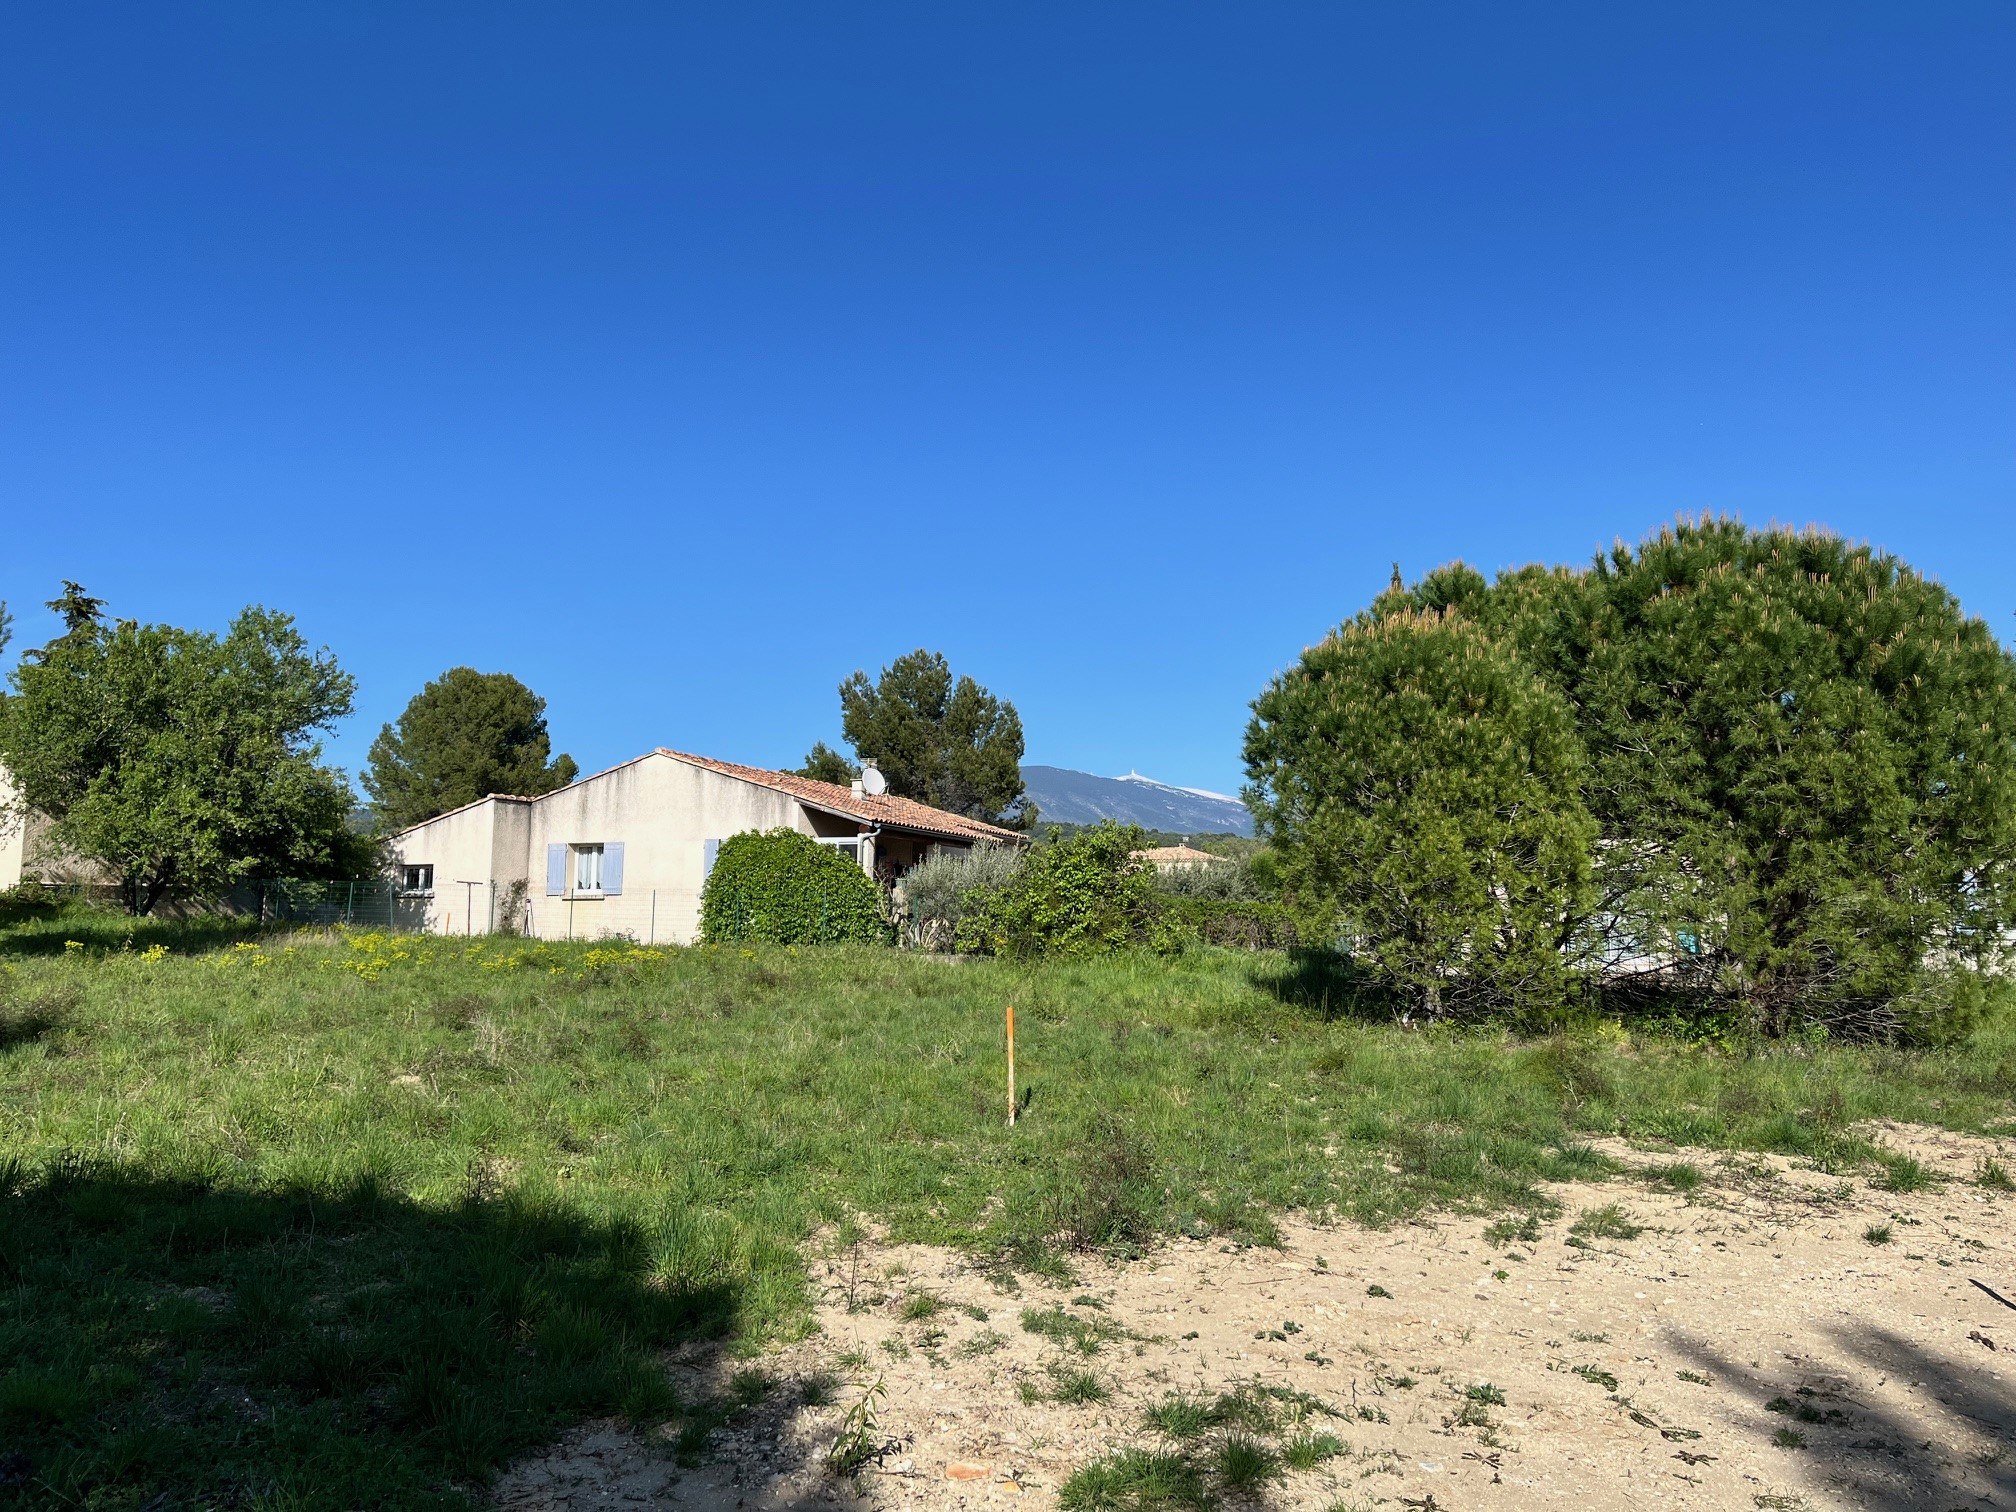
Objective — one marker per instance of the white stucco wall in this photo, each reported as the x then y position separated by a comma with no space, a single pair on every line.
660,809
461,847
23,855
663,812
13,829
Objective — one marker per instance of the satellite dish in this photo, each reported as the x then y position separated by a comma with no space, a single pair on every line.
873,783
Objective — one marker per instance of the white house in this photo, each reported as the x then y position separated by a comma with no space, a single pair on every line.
1169,858
626,851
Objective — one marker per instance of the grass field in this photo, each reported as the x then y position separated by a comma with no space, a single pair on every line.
301,1221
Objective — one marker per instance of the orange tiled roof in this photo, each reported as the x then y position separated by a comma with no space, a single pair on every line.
1175,855
903,813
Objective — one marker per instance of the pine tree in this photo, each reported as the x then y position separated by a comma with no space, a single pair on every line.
951,744
1416,773
1801,758
465,735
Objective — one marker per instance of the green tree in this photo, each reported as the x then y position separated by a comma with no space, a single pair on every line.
465,735
950,744
81,612
824,764
1417,775
1801,761
1080,896
1806,753
179,761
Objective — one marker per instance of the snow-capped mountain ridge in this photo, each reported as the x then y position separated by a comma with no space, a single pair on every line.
1173,788
1082,798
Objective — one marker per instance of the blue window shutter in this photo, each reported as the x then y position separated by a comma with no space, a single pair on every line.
612,867
713,850
556,870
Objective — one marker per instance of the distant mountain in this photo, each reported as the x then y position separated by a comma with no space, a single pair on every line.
1080,798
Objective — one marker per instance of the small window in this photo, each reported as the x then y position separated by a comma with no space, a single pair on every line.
418,879
850,848
587,868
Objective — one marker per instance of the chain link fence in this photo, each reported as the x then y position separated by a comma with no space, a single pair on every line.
365,905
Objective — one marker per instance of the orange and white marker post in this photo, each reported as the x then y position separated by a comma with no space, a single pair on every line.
1011,1065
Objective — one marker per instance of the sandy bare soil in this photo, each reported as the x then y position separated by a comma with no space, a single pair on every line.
1751,1347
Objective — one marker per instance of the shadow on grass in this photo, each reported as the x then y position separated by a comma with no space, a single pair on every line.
100,931
25,1022
1957,1449
1328,984
177,1343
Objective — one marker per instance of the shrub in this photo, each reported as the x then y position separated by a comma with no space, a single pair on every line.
788,889
1242,923
943,889
1238,879
1083,896
1104,1190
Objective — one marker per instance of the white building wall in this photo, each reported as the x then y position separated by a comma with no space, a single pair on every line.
663,812
659,809
461,847
13,834
25,855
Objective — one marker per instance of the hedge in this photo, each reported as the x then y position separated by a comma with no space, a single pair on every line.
785,888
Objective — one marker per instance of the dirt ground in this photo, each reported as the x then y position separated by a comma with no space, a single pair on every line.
1755,1345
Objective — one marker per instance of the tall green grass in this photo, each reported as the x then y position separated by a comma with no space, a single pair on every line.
349,1221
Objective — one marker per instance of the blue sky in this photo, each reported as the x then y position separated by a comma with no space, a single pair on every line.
683,359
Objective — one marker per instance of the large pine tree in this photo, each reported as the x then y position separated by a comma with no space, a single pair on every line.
465,735
1799,755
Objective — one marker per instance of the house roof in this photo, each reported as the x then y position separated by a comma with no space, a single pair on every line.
460,809
886,808
1175,855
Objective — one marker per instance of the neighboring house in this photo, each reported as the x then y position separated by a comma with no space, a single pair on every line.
626,851
1168,858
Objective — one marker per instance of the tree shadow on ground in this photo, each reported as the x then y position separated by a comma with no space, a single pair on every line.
1328,984
1958,1448
180,1343
24,1021
55,931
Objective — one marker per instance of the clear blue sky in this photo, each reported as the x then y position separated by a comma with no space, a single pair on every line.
683,359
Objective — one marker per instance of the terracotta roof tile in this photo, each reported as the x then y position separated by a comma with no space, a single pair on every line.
1175,855
903,813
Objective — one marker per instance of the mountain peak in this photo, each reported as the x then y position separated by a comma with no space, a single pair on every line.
1083,798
